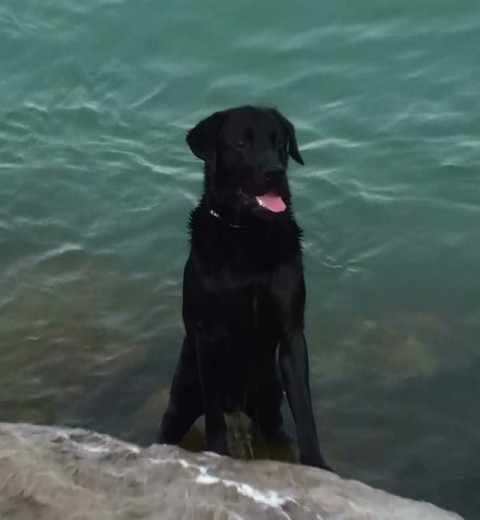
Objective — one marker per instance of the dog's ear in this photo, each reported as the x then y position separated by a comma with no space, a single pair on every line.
202,138
292,138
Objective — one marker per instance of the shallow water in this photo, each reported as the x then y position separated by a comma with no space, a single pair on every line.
97,183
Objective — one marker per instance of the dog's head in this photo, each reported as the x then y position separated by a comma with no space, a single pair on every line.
246,152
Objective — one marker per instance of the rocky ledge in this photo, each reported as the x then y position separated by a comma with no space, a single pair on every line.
49,473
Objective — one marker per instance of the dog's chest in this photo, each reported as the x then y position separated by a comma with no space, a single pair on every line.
253,317
250,344
246,252
255,310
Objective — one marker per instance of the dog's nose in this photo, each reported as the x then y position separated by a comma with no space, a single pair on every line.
271,172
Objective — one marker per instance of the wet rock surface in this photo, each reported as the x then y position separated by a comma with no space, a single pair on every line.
49,473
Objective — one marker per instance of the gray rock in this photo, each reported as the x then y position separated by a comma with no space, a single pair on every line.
49,473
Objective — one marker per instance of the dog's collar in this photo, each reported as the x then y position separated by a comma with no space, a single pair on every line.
216,215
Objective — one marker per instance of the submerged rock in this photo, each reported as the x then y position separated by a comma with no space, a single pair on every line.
49,473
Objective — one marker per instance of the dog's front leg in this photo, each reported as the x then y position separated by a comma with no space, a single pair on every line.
294,367
208,355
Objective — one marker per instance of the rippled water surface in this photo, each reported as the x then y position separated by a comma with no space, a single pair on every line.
96,184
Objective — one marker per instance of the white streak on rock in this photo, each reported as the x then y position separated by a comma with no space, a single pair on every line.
96,449
269,498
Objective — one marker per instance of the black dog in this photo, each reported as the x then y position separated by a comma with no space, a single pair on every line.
243,291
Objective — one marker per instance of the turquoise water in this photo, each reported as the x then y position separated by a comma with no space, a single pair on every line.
97,183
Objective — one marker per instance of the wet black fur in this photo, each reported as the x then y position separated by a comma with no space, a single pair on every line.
243,291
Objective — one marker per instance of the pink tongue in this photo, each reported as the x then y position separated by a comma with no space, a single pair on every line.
272,202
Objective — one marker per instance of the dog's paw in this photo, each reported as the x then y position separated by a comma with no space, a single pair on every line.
218,444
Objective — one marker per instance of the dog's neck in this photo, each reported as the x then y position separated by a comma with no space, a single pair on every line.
217,216
218,212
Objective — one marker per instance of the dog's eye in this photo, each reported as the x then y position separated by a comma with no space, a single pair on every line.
240,143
